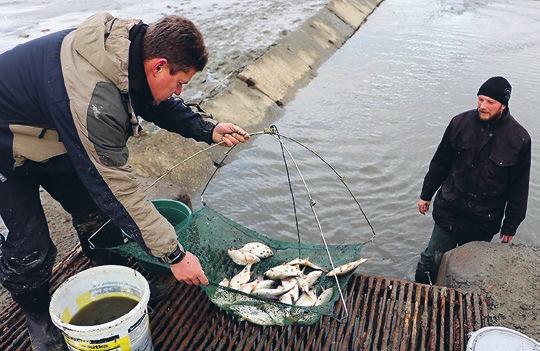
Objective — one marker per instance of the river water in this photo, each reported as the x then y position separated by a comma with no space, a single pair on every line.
376,112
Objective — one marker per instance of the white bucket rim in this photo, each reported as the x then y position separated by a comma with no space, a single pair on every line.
476,336
141,305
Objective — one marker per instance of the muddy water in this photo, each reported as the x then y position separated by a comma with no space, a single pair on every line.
103,311
377,111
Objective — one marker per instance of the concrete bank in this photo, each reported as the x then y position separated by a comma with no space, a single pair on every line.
508,277
256,96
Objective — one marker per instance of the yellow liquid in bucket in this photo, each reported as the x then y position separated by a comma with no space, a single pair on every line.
103,311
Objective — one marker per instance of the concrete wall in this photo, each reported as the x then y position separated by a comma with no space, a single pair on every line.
256,95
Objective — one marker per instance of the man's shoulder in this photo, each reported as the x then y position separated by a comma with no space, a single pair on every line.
518,129
467,114
464,117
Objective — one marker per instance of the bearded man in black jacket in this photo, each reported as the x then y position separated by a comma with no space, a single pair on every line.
481,170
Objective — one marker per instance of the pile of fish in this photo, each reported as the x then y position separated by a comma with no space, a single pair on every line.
287,283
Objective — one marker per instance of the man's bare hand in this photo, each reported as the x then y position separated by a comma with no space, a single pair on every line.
423,206
230,134
189,270
506,239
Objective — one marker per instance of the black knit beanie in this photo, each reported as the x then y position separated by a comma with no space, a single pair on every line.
496,88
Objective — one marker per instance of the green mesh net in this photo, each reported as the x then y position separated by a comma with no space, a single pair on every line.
209,235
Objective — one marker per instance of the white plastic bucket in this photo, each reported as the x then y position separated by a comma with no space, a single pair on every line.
501,339
130,332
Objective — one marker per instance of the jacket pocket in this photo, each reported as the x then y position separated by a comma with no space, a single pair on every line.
108,125
496,173
462,148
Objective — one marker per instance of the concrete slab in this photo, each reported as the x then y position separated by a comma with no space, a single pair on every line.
366,6
348,12
283,68
244,105
277,72
327,30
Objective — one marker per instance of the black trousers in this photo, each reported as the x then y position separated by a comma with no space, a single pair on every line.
440,242
27,253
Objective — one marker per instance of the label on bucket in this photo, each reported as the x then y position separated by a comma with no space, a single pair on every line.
135,338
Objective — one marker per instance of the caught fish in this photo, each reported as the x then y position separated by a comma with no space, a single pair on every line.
223,298
289,282
325,297
253,314
243,258
265,314
305,300
225,282
295,293
286,298
346,268
305,262
241,278
265,284
271,293
258,249
249,286
282,271
307,282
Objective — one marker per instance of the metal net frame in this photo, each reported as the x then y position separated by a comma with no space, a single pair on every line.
210,234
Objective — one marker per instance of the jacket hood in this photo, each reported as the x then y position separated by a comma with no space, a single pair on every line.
103,41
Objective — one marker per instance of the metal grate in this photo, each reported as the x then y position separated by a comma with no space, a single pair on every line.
385,314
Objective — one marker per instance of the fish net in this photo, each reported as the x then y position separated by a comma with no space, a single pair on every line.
209,235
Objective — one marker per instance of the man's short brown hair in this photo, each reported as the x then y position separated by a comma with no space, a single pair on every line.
176,39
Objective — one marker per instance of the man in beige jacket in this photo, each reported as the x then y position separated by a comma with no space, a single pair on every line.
68,103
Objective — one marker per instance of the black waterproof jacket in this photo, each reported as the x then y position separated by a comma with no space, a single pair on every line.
482,169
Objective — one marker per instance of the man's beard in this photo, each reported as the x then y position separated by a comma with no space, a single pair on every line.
493,117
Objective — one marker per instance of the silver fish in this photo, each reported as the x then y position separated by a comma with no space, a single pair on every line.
243,258
346,268
307,282
305,300
282,271
224,282
253,314
286,298
305,262
249,286
271,293
265,284
241,278
223,298
295,293
258,249
265,314
325,297
289,282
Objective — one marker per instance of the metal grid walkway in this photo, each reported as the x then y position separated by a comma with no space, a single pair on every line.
385,314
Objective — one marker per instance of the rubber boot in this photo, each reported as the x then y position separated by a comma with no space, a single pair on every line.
426,270
44,335
86,224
